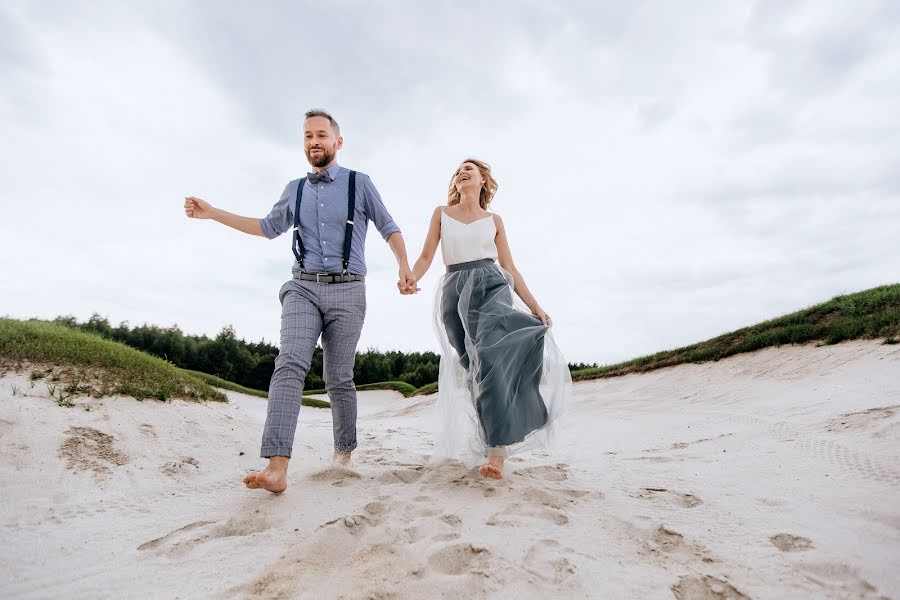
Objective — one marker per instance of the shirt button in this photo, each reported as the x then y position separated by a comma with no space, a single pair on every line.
323,224
321,187
321,205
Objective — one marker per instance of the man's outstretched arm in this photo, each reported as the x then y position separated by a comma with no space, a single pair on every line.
195,208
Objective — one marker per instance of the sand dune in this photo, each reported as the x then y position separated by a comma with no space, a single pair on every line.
768,475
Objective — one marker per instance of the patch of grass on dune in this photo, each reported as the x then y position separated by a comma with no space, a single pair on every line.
225,384
89,364
398,386
428,388
870,314
235,387
315,402
404,388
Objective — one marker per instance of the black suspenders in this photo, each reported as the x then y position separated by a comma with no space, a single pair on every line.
348,229
297,245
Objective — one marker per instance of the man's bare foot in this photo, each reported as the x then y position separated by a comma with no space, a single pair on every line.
493,468
273,478
343,459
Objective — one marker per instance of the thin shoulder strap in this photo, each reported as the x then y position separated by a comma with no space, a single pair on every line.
297,245
351,210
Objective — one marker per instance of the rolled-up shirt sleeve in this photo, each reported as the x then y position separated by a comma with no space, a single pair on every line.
376,211
281,217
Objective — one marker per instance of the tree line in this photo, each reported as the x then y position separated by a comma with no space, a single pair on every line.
251,363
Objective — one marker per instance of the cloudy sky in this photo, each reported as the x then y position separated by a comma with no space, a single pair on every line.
668,171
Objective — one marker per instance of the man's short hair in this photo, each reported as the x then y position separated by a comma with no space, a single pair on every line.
318,112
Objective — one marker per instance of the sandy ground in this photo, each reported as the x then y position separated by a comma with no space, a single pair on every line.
770,475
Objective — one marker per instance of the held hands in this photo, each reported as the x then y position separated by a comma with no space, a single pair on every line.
195,208
407,282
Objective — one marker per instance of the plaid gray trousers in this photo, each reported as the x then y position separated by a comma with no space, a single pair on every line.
335,311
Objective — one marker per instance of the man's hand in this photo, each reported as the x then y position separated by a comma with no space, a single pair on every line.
407,282
195,208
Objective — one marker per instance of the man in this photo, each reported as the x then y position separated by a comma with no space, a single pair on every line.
326,295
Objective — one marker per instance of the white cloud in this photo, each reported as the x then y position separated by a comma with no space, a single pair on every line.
667,172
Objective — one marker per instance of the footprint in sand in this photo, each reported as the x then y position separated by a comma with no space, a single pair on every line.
545,501
354,524
174,467
835,576
577,494
460,559
172,536
451,519
681,499
706,587
501,519
543,560
512,515
554,498
413,534
376,508
183,539
862,419
86,449
241,526
790,543
534,495
338,476
665,540
557,472
401,475
428,511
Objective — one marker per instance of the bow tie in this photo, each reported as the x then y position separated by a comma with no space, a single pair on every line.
320,176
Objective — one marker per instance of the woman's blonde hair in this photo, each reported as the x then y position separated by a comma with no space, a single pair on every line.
488,189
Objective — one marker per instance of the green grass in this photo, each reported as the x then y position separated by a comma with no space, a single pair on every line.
400,386
86,363
225,384
82,363
428,388
404,388
230,385
870,314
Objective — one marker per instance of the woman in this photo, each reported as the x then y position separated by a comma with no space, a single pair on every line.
503,382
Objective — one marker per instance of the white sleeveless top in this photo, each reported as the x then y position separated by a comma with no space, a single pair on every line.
465,242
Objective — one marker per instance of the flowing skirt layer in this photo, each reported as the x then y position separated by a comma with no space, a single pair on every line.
503,381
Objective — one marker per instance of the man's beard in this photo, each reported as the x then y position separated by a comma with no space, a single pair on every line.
323,159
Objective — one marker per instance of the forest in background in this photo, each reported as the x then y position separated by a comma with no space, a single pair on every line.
250,364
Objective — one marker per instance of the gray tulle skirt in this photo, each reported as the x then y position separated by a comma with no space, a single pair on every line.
503,382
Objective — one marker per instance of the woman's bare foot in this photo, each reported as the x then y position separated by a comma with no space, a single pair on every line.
493,468
343,459
273,478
